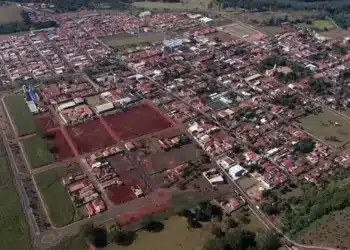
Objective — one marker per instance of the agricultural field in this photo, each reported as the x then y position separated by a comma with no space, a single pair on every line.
45,121
124,40
183,5
14,230
20,115
37,151
58,203
126,125
10,14
328,127
331,230
60,146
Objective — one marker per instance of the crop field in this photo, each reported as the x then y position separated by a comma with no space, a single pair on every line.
37,151
56,198
331,230
137,121
328,127
123,40
20,115
90,136
61,148
14,229
45,121
10,14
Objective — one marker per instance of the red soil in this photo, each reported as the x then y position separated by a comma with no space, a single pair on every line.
89,136
45,121
62,148
137,121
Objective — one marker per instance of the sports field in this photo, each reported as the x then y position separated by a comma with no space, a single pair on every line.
56,198
14,229
37,151
20,115
240,30
123,40
10,14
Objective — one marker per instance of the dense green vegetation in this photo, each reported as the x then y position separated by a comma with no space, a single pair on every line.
20,114
14,230
37,151
56,198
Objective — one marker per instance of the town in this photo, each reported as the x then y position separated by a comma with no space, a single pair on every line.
97,127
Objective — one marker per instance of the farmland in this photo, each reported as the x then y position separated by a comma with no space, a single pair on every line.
14,231
10,14
328,127
20,114
116,41
318,25
37,151
126,125
61,148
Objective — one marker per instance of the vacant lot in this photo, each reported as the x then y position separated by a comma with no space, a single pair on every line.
10,14
331,230
14,230
239,30
20,114
336,33
122,40
328,127
318,24
56,198
37,151
183,5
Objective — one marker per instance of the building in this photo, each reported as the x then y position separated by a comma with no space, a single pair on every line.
237,171
214,177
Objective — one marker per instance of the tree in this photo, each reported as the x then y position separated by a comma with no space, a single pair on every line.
98,237
122,238
265,193
270,209
232,223
217,231
152,225
306,146
267,242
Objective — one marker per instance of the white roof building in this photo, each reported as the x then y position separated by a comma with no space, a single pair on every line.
237,171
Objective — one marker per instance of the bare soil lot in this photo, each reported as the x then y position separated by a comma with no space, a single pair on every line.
10,14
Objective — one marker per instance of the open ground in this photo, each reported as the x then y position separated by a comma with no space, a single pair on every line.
20,114
59,205
183,5
10,14
122,40
317,24
137,121
326,125
60,148
14,229
90,136
37,151
45,121
331,230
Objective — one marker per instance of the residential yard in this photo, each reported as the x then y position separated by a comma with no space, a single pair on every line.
58,203
184,5
123,40
10,14
20,114
14,229
331,230
37,151
328,127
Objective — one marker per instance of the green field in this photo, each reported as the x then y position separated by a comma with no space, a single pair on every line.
123,40
184,5
10,14
60,207
317,24
20,114
325,125
14,229
37,151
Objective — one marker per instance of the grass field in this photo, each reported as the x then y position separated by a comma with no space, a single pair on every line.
9,14
331,230
37,152
61,209
20,114
317,24
14,230
123,40
239,30
184,5
327,124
